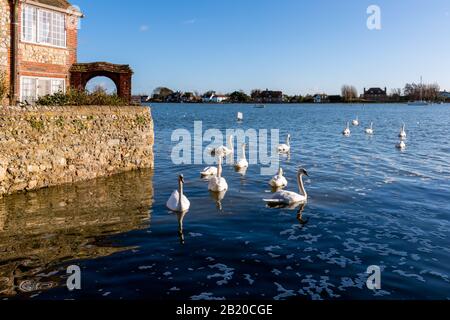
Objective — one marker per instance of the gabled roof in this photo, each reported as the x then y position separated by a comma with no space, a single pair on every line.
375,91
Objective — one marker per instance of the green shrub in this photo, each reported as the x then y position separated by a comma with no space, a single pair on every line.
81,98
36,124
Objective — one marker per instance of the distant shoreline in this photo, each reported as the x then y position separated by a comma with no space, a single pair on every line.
287,103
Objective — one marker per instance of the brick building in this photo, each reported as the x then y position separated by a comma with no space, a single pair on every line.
38,46
375,94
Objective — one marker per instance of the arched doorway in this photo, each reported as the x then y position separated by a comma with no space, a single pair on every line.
82,73
103,84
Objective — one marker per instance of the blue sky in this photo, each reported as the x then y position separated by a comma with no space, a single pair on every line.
299,46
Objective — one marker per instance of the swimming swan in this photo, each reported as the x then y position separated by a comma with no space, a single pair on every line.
242,163
178,202
217,183
224,151
347,131
402,133
285,148
209,171
279,181
370,130
401,145
356,122
281,198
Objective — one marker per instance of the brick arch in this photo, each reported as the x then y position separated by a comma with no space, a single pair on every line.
82,73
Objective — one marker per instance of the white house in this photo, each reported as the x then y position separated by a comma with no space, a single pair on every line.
219,98
320,98
215,98
444,94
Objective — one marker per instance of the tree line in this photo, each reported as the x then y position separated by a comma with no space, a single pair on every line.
349,94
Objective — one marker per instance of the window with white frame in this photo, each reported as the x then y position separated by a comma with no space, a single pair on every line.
32,88
43,26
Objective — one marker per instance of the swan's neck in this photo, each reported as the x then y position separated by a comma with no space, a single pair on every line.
288,141
219,168
230,143
280,172
180,188
301,186
244,157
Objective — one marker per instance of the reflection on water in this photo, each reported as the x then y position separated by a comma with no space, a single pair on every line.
40,230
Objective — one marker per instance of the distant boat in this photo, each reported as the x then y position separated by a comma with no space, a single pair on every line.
260,106
240,116
420,102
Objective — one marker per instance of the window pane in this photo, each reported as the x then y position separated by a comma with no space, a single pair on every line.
58,86
44,87
28,89
44,18
29,24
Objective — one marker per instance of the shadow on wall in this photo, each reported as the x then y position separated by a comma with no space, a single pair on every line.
41,230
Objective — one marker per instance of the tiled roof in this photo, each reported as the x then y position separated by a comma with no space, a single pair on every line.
375,91
63,4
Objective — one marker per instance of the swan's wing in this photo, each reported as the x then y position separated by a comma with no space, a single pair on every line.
185,203
284,197
173,201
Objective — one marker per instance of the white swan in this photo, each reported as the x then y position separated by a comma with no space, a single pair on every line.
178,202
370,129
224,151
242,163
401,145
279,181
281,198
402,133
218,183
347,131
356,122
209,171
285,148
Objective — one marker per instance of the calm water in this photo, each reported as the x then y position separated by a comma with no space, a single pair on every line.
370,204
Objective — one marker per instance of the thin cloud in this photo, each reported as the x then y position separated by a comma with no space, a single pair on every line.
144,28
190,21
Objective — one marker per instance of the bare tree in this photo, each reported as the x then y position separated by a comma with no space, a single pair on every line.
422,91
349,93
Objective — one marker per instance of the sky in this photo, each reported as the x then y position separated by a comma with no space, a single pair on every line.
297,46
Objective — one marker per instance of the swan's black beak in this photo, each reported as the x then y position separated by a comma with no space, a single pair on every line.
181,178
303,171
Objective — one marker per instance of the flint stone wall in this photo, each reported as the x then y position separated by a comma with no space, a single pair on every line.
47,146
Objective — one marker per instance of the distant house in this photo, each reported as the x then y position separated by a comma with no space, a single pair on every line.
320,98
375,94
145,98
215,98
268,96
444,95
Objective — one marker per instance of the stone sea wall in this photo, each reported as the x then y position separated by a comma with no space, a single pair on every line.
47,146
